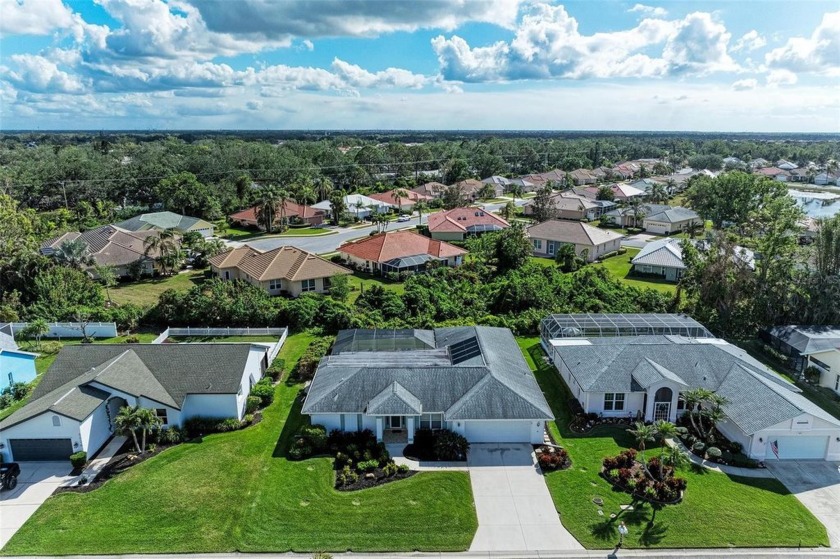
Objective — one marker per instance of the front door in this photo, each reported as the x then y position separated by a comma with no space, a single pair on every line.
395,422
661,410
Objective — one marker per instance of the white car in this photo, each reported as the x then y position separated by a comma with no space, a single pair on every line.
404,218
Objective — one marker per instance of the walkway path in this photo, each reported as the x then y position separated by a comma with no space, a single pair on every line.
95,466
724,469
515,510
395,450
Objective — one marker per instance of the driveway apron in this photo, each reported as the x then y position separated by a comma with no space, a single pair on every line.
515,510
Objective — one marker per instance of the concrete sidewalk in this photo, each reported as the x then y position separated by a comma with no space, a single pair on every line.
95,466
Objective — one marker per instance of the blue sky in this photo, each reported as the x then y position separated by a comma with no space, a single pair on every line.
449,64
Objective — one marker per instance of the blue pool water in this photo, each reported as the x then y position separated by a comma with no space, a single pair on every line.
21,368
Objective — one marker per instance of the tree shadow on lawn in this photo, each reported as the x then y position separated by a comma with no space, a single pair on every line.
293,423
651,533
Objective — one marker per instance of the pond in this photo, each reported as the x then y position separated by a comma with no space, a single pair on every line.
817,204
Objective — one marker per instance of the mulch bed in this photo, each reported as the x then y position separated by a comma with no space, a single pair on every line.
636,495
379,479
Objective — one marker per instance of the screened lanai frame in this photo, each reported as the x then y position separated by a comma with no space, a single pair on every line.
415,263
615,325
382,340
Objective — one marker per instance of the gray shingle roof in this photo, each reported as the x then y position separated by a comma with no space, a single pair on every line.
674,215
395,400
664,252
758,398
808,339
165,373
7,342
159,220
468,373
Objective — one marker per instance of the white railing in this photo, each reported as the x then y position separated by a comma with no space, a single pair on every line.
70,329
162,337
190,331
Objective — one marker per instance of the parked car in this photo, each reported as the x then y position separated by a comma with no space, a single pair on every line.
9,473
404,218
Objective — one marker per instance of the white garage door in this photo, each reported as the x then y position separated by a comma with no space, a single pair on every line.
798,448
498,431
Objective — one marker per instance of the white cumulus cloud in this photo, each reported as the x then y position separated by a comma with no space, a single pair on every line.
819,53
745,85
750,41
649,10
781,77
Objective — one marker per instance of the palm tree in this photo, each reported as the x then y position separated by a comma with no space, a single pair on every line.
147,421
487,191
304,194
665,430
107,277
421,206
359,206
638,210
129,421
282,200
36,329
165,246
694,228
75,254
643,434
399,195
658,193
323,186
267,201
674,457
515,191
671,185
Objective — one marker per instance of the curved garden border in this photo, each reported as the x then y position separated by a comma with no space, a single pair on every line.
677,501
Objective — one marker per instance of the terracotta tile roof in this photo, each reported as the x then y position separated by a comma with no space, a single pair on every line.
470,186
286,262
390,198
398,244
430,188
293,209
572,232
459,219
109,245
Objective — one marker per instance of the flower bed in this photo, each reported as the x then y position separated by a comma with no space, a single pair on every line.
585,422
552,458
715,448
442,445
656,485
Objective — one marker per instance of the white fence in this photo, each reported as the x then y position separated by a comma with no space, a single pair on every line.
70,329
224,332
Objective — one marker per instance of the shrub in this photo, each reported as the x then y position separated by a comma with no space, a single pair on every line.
251,404
247,419
341,460
229,424
50,348
367,465
390,469
347,477
316,435
451,446
132,339
300,449
306,365
78,459
198,425
263,391
275,370
713,452
170,435
613,474
403,468
699,447
611,463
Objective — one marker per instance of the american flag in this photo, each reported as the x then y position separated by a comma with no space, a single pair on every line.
774,446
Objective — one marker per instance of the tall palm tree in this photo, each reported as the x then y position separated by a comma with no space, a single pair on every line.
75,254
129,421
693,399
282,200
164,247
664,430
515,191
267,202
421,206
305,194
359,206
638,210
147,421
399,195
658,193
323,186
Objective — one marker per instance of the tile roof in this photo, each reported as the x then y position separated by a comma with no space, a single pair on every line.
484,377
109,245
162,372
572,232
459,220
430,189
398,244
411,197
293,209
285,262
758,398
162,220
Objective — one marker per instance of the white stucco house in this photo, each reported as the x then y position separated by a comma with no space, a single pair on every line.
470,379
642,376
74,406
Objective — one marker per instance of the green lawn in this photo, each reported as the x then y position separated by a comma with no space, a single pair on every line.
619,267
146,292
360,279
306,232
717,510
43,361
236,491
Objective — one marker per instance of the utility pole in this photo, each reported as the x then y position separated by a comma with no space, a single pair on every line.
64,190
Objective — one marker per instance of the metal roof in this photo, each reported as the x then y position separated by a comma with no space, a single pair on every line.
608,325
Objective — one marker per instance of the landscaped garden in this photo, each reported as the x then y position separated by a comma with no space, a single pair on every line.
238,491
716,511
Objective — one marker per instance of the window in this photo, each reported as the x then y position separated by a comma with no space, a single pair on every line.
308,285
274,284
227,274
161,414
431,421
327,284
56,421
538,244
613,401
680,402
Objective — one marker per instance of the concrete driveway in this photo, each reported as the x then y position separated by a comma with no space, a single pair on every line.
37,481
515,510
817,484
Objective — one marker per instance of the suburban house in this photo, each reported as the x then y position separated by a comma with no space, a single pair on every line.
798,342
664,258
165,221
469,379
286,270
73,407
527,186
459,223
625,216
357,205
582,177
292,211
568,205
110,245
672,220
16,365
621,192
500,183
406,203
801,174
775,173
548,236
786,165
645,185
827,362
400,251
825,178
471,187
639,366
431,189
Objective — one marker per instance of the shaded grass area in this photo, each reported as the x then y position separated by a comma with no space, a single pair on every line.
360,280
717,510
146,292
237,491
619,267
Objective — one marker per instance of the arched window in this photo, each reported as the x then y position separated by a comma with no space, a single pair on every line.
664,394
